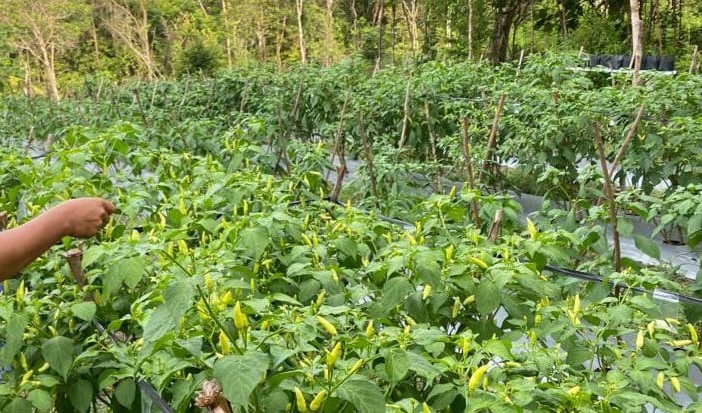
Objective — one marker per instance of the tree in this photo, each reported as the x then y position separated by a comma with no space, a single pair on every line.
129,24
506,11
45,29
636,40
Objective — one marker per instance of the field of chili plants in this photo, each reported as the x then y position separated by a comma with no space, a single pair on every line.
236,255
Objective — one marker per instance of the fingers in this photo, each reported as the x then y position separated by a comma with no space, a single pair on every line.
109,207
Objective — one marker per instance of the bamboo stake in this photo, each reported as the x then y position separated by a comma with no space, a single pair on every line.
469,170
432,142
405,119
369,157
282,151
627,140
135,92
610,197
339,142
493,136
496,225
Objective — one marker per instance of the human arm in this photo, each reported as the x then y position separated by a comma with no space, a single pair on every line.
80,218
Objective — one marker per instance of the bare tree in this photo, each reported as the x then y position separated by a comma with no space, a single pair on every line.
44,29
131,28
329,33
411,11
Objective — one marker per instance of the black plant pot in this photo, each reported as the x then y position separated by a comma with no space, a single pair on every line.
650,63
666,63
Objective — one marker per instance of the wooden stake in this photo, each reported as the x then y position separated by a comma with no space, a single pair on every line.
369,157
496,225
493,136
627,140
339,141
135,92
3,220
405,119
432,142
282,151
469,170
610,198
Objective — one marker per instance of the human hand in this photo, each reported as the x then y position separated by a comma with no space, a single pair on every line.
83,217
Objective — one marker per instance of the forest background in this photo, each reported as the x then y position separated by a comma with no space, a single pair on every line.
50,47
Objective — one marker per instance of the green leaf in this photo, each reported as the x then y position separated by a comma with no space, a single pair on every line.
129,271
240,374
58,352
125,392
41,399
254,241
347,246
625,227
158,323
18,405
85,310
80,394
422,366
178,298
428,269
487,297
395,291
365,395
396,364
15,332
694,230
647,246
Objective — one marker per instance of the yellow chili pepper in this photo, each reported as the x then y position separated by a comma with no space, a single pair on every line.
300,400
475,379
329,327
318,400
240,319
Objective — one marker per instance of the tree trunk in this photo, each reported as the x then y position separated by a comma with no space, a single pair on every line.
500,35
279,38
564,20
261,34
470,29
381,33
227,40
411,13
636,40
50,73
329,34
301,32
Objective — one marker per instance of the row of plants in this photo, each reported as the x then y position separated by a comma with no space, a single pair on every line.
414,119
217,266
